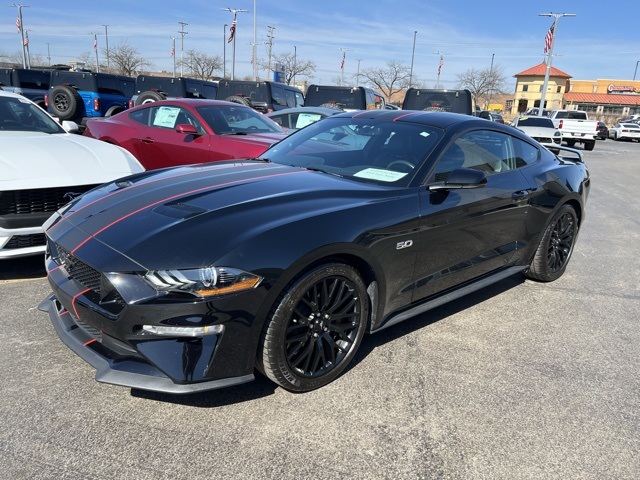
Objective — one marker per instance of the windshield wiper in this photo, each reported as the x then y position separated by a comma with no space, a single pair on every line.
316,169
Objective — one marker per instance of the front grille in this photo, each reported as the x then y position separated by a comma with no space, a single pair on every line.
80,271
24,241
42,200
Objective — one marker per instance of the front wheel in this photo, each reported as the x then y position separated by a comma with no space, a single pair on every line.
315,328
555,248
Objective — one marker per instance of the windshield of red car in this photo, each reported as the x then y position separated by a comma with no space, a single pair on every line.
236,119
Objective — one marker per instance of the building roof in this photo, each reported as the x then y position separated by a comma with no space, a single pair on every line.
602,98
540,71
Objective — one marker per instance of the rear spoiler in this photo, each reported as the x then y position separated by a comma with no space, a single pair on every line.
572,155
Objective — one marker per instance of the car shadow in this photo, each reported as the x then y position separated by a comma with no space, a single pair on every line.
262,387
23,268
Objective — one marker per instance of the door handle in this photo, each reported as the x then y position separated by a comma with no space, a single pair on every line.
147,140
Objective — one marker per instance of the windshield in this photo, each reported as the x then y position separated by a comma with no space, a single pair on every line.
535,122
18,114
343,97
236,119
366,150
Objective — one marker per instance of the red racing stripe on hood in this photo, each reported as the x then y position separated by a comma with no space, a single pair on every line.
173,197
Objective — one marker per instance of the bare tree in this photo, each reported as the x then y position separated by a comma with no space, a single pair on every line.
390,80
126,60
293,66
483,83
89,60
201,65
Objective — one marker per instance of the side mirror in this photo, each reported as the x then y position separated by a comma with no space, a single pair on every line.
461,178
70,127
187,129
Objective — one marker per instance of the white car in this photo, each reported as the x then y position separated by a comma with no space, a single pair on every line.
625,131
42,167
540,129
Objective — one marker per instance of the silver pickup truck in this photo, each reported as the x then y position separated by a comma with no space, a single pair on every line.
576,127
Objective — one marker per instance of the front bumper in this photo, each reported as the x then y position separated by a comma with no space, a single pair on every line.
116,367
20,242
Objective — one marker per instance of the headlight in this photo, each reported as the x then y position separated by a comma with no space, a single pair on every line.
557,134
203,282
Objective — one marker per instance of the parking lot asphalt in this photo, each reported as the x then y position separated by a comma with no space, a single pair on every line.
521,380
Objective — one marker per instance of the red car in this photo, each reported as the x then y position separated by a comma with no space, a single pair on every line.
178,132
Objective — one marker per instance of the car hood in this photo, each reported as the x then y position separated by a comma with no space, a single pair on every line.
30,160
193,215
258,139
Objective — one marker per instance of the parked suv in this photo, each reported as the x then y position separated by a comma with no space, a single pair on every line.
32,84
151,89
344,98
78,96
264,97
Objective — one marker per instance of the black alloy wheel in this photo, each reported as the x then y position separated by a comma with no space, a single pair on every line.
555,249
315,328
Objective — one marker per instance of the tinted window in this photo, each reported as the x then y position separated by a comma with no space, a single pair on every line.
343,97
17,114
535,122
35,79
115,86
84,81
236,119
486,150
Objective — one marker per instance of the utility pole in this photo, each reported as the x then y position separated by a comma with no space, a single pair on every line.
270,36
358,73
106,42
26,46
49,53
553,31
413,52
255,43
182,34
636,71
232,38
442,54
21,32
295,63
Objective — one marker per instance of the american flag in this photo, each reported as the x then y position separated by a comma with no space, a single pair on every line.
342,63
18,24
548,40
95,43
440,65
26,38
173,51
232,30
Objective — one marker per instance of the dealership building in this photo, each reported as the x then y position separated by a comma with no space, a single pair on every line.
601,98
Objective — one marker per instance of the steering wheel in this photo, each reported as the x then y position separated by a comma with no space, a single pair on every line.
405,163
252,127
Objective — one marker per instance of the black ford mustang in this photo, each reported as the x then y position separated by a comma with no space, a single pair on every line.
188,279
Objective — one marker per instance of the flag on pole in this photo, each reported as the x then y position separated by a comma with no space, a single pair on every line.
342,63
173,51
95,43
440,65
232,29
548,40
18,24
26,38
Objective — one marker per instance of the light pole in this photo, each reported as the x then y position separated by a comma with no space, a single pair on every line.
21,32
173,54
95,48
49,53
358,73
255,43
232,38
295,61
440,64
553,31
636,71
413,52
182,34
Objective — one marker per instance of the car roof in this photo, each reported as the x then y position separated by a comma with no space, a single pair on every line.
193,102
326,111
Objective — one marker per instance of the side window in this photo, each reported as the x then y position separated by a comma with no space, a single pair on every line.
169,117
299,99
486,150
291,98
140,116
277,94
210,91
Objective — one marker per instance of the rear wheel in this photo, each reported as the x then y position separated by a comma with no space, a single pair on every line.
589,146
555,249
315,328
571,143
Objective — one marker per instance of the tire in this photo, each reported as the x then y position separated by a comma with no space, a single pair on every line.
555,248
589,146
315,328
571,143
66,103
239,99
149,96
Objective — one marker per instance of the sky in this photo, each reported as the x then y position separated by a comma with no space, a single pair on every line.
601,42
